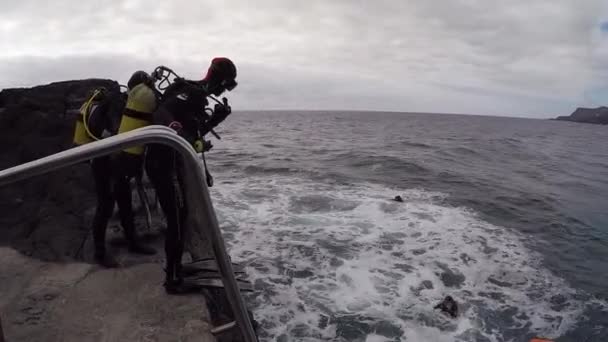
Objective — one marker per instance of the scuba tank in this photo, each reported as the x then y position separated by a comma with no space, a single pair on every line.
98,116
82,132
141,103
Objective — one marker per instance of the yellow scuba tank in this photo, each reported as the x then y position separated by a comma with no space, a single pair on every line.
141,103
82,134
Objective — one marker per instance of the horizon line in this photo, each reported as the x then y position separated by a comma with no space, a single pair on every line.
392,112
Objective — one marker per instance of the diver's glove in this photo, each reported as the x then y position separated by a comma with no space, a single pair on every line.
222,110
220,113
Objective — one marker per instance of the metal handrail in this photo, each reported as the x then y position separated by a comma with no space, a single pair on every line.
200,192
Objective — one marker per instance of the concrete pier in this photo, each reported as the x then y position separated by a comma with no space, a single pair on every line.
50,301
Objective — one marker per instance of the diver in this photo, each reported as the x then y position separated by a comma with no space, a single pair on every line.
141,102
181,108
448,306
100,117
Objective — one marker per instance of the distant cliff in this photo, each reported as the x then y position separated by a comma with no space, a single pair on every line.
588,115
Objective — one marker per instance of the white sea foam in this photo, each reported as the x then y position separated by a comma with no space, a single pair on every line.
345,263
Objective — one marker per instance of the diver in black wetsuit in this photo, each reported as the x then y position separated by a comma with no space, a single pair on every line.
182,109
448,306
100,117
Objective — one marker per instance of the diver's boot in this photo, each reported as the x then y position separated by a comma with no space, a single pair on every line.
173,287
106,260
172,283
138,248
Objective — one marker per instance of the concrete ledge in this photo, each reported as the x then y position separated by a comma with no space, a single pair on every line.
44,301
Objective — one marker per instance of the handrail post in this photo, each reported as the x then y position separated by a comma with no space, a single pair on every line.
200,192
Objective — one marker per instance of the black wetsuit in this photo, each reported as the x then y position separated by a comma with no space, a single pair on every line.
112,176
111,184
185,104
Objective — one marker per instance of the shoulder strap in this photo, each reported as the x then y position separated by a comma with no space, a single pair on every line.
86,108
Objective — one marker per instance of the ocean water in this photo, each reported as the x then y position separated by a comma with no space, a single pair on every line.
508,216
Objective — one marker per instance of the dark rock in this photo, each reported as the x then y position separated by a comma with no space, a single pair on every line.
44,217
588,115
54,98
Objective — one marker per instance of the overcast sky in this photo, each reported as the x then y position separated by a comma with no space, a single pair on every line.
536,58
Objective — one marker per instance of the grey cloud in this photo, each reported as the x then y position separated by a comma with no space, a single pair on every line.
28,71
513,57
